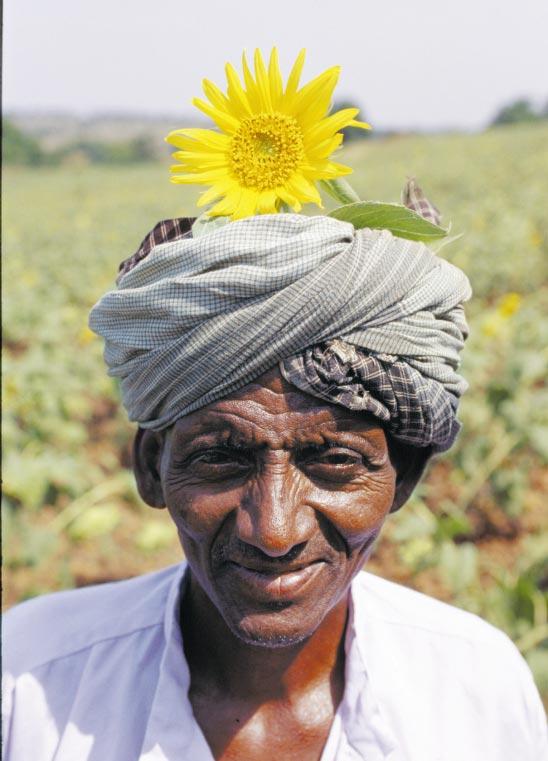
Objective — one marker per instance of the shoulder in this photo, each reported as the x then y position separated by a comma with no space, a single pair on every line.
400,606
407,615
59,625
448,656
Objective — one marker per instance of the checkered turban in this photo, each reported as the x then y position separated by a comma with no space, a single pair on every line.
359,318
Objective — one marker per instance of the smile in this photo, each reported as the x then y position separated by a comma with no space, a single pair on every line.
279,583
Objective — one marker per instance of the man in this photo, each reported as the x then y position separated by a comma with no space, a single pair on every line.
290,377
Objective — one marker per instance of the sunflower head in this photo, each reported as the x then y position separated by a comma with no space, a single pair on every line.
271,145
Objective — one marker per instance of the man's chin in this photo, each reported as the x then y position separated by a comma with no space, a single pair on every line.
274,629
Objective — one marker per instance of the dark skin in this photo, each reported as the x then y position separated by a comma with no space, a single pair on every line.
277,497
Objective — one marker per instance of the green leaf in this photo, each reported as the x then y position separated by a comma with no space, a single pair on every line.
437,247
538,663
95,521
398,219
458,565
155,535
415,552
205,224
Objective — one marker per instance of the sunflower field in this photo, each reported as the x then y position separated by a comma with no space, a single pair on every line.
474,534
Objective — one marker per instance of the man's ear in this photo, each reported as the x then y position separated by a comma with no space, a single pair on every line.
410,463
147,454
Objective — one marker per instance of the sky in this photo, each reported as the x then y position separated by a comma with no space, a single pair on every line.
424,64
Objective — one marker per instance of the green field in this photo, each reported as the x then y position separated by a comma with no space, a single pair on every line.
475,532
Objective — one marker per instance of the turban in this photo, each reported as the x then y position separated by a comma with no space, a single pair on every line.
357,317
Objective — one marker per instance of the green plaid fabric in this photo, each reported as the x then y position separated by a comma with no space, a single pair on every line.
413,197
413,408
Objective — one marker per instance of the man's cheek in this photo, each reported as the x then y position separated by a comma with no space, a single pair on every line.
358,516
199,516
362,550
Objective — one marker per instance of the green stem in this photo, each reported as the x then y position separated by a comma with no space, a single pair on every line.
340,190
532,638
482,474
114,486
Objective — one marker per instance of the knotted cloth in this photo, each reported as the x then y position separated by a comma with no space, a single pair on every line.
198,318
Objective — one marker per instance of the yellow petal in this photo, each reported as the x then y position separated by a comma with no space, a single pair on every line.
261,77
214,94
176,180
247,204
217,190
275,78
324,149
294,77
200,178
216,141
180,169
221,118
303,189
226,206
287,198
186,144
266,202
201,159
332,169
331,124
210,195
313,100
362,125
251,88
236,92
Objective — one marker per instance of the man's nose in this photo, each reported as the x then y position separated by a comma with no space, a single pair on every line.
273,515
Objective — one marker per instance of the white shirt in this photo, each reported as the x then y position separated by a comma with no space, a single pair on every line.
99,674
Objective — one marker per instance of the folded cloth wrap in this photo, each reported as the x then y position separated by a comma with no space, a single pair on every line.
198,318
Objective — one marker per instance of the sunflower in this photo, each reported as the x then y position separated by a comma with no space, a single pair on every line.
272,144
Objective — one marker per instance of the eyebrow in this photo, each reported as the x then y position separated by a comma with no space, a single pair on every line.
230,437
221,436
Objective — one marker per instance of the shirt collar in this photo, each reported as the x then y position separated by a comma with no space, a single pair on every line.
364,727
172,731
360,730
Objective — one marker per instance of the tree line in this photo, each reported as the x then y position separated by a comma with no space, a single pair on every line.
18,147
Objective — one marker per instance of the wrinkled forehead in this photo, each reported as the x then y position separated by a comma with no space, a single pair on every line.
270,411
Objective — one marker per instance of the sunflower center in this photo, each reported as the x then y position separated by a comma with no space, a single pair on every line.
266,150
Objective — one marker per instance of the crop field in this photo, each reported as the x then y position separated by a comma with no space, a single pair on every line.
474,533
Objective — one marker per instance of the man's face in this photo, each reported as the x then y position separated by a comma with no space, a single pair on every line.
277,498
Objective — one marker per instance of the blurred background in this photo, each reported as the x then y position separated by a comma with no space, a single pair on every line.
458,97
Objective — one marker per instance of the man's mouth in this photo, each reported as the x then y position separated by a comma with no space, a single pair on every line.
280,581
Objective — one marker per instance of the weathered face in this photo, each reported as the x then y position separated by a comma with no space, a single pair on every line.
277,498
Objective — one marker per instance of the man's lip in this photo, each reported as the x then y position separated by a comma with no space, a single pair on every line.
275,570
282,583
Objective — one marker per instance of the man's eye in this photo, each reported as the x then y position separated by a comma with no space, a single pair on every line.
332,456
335,457
220,456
